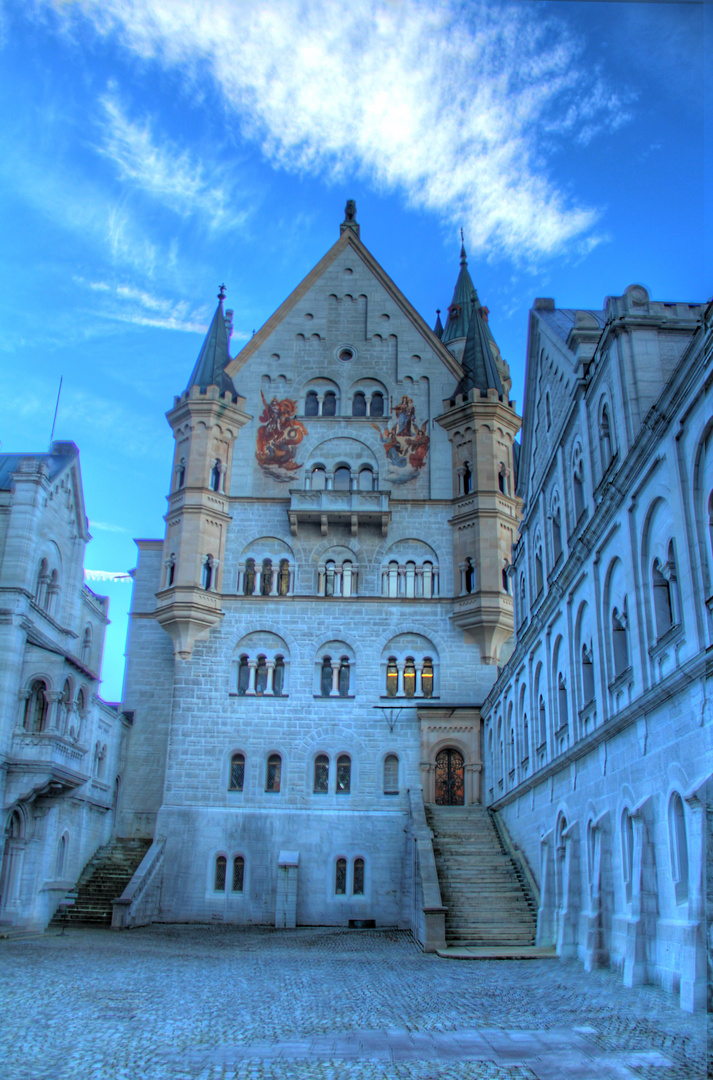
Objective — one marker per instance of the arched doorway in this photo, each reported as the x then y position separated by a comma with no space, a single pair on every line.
11,861
450,778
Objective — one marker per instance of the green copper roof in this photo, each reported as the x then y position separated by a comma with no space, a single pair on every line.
478,363
210,365
459,310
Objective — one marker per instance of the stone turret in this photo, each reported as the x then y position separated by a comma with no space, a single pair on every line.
482,424
205,420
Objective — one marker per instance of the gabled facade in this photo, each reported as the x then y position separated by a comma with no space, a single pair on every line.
59,742
598,734
321,559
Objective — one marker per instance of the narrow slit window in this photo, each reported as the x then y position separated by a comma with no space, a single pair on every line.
392,677
274,770
391,775
344,774
340,882
238,873
237,772
427,677
358,878
321,774
220,869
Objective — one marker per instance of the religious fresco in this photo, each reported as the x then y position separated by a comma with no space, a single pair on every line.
405,443
278,437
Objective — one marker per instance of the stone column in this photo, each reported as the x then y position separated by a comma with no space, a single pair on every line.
462,568
270,665
252,668
241,578
400,664
419,686
334,692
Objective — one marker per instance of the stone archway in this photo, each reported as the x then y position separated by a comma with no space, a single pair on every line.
447,735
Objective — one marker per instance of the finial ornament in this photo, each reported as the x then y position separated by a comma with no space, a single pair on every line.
350,210
221,293
462,247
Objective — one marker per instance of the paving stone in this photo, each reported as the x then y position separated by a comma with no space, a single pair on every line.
226,1003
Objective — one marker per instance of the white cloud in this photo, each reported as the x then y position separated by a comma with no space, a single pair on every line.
159,169
106,575
453,104
128,303
105,526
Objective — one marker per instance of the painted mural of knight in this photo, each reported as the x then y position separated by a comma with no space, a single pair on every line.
405,443
278,437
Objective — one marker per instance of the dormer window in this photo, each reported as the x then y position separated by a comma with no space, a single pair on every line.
454,311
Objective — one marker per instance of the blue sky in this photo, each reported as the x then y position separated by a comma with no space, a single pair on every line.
151,149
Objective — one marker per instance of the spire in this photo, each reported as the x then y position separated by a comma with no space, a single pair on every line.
209,369
463,296
438,328
479,367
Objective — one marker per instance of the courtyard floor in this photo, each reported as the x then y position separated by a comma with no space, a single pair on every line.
218,1002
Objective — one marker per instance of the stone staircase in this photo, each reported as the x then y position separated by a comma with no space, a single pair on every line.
487,899
103,879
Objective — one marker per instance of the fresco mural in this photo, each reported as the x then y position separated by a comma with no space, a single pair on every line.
278,437
405,443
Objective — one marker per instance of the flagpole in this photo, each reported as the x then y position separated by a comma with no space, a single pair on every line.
54,421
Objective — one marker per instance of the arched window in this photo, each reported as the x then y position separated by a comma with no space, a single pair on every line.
562,701
427,580
605,438
359,404
61,856
329,404
329,568
52,593
505,577
274,770
627,853
358,878
266,577
376,405
427,677
36,708
467,479
587,676
548,410
319,478
409,677
81,709
181,474
63,707
393,576
215,474
678,846
238,873
410,582
556,532
283,580
249,586
278,676
340,880
344,676
237,772
469,576
663,612
578,483
243,674
539,577
391,775
525,739
543,721
87,645
43,577
171,570
392,677
366,479
221,865
620,649
261,675
502,479
312,404
207,572
325,685
321,774
344,774
342,478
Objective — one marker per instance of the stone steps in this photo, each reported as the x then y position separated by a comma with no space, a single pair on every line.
103,880
486,900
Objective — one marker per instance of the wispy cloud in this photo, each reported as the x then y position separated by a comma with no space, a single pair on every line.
106,575
129,303
105,526
158,168
453,104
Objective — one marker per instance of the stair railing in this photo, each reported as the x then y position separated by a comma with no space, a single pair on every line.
518,858
139,902
428,915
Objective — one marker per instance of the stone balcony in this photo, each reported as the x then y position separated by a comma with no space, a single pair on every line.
353,508
45,761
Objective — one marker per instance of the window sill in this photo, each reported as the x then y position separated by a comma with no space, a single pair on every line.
402,697
334,697
672,636
623,679
270,697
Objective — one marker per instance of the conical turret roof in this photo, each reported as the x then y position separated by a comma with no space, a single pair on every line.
209,369
459,310
438,328
478,363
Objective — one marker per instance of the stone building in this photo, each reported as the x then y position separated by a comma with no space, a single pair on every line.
311,639
59,742
598,739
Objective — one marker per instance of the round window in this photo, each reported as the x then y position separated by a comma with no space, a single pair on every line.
346,353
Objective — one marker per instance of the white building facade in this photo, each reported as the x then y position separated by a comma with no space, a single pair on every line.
598,735
60,744
310,641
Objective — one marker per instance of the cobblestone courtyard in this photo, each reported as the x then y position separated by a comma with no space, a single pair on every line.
208,1003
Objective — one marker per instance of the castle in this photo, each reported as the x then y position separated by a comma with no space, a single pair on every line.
373,613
